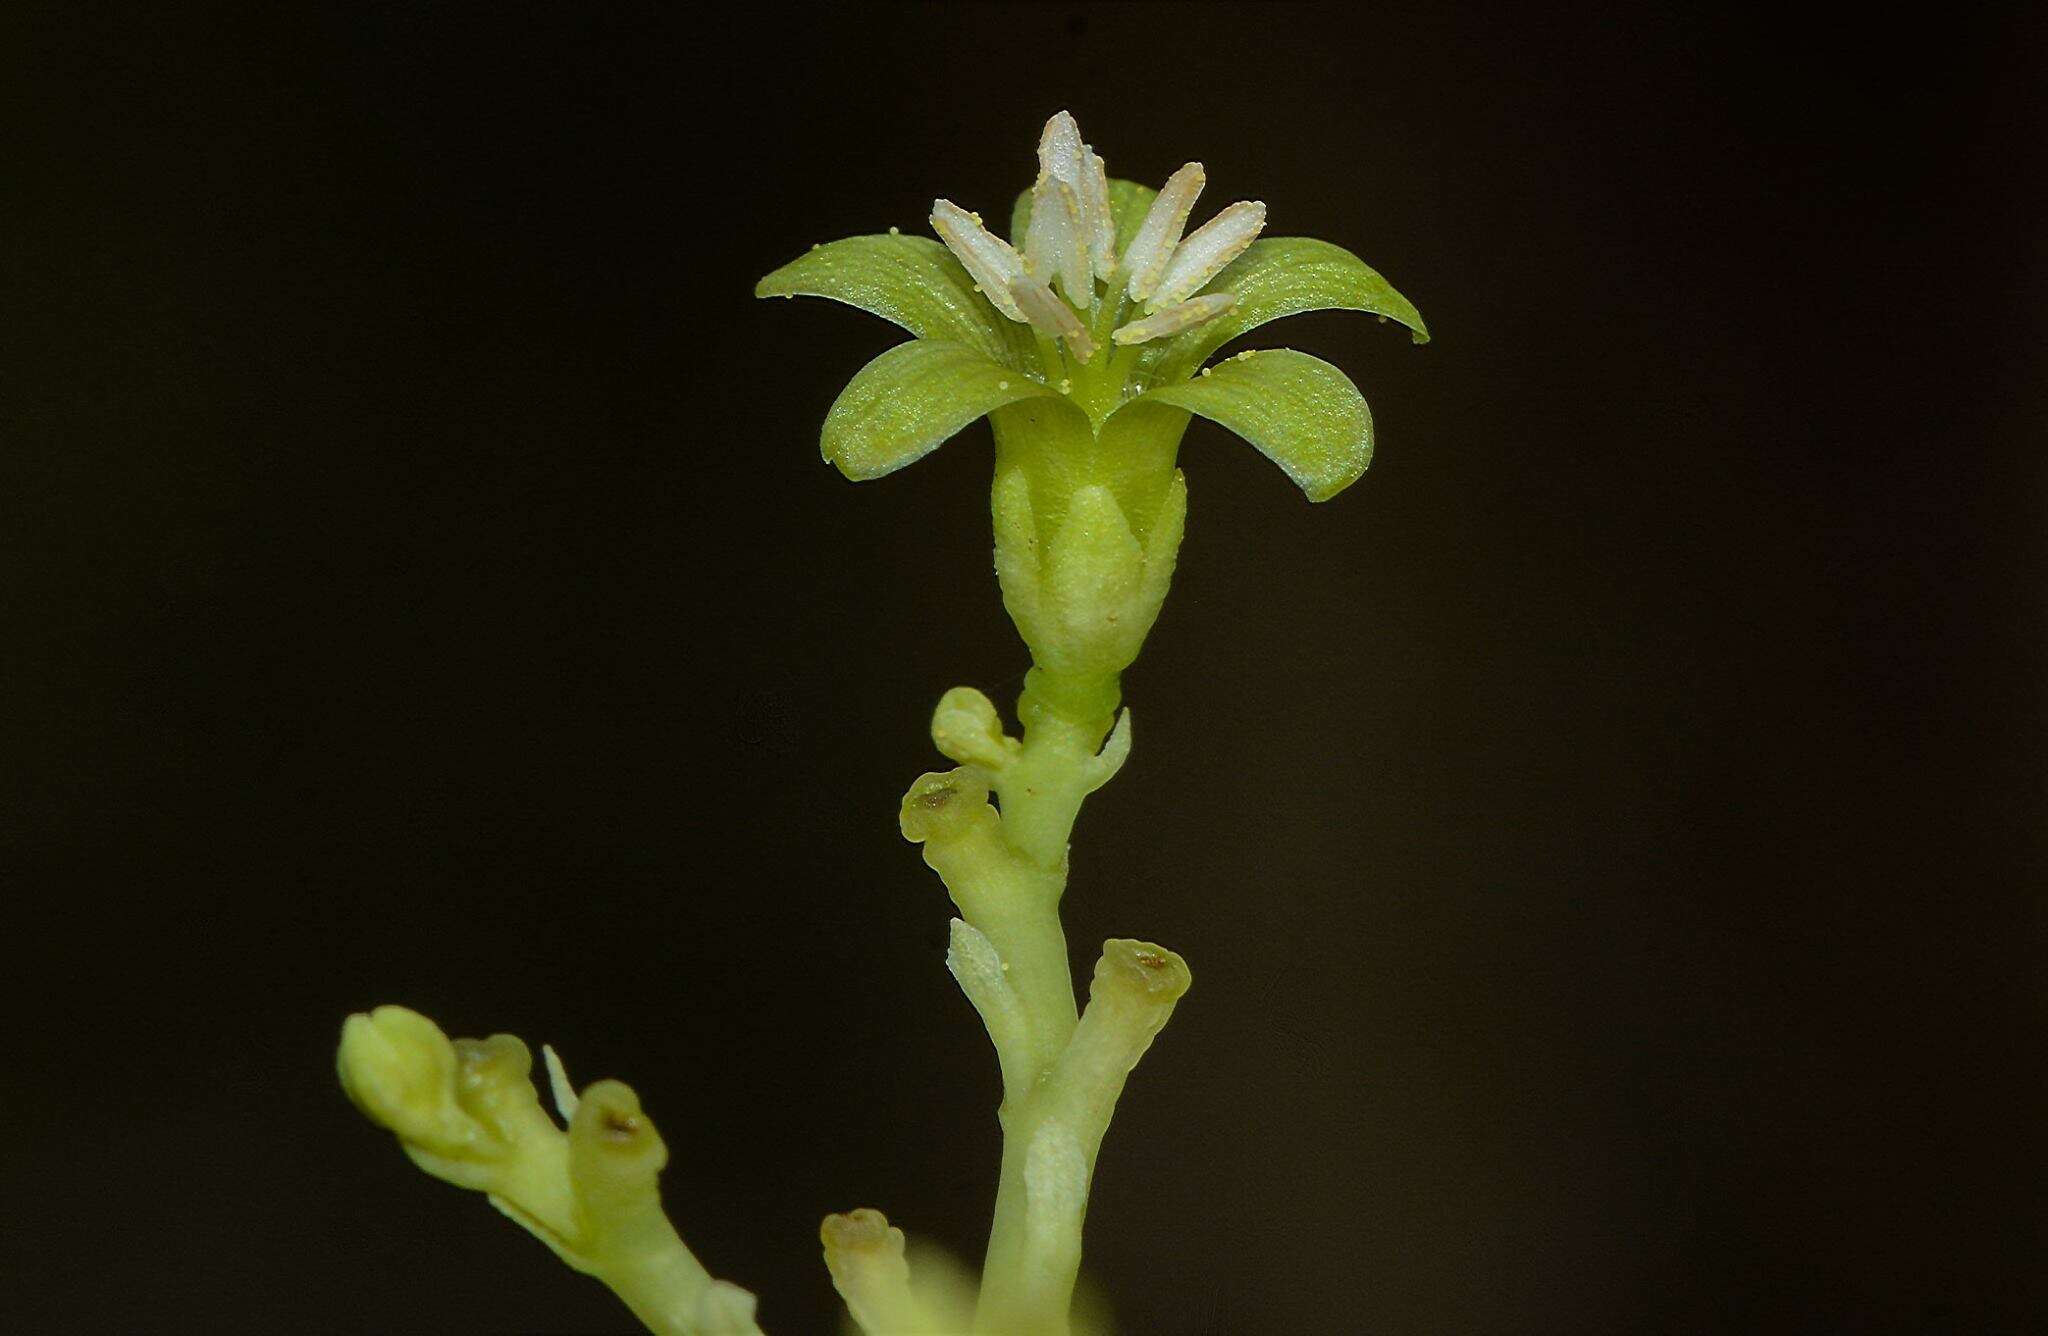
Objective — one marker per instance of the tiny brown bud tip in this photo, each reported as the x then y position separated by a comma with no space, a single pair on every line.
1141,970
608,1114
944,805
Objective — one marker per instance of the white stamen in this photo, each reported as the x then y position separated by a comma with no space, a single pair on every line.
1063,157
1054,246
988,259
1060,151
1049,315
1098,224
1152,247
1207,249
1174,319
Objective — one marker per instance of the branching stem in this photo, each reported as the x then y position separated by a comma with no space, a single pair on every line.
1062,1070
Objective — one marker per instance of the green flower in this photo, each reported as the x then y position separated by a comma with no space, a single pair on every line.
1100,310
1083,340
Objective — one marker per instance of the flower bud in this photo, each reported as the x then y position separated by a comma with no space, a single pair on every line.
864,1253
400,1070
486,1068
1139,975
1130,998
494,1084
967,729
942,807
615,1155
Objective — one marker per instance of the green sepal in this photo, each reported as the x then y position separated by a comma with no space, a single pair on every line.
913,281
1299,411
1283,276
1129,202
911,399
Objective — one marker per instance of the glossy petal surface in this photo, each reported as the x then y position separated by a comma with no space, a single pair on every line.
1299,411
910,400
911,281
1283,276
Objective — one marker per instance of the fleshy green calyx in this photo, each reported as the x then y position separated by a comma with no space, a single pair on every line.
1085,339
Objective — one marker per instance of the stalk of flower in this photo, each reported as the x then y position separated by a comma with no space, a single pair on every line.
1086,337
1119,305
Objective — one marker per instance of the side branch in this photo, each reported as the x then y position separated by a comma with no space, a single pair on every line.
467,1113
1006,871
1012,904
1051,1140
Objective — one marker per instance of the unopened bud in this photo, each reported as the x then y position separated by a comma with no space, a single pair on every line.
399,1069
610,1123
967,729
1139,973
865,1231
864,1253
948,806
615,1157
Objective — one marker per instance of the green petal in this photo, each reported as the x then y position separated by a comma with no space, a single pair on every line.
1128,204
911,399
1282,276
913,281
1298,411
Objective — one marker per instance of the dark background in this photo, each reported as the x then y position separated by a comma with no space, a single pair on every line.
1607,840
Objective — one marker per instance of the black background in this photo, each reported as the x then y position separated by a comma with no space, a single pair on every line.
1607,839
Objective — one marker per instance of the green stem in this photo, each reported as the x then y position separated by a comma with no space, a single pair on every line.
1011,1299
1051,1141
663,1285
1086,530
1065,721
1014,903
1034,1246
625,1239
